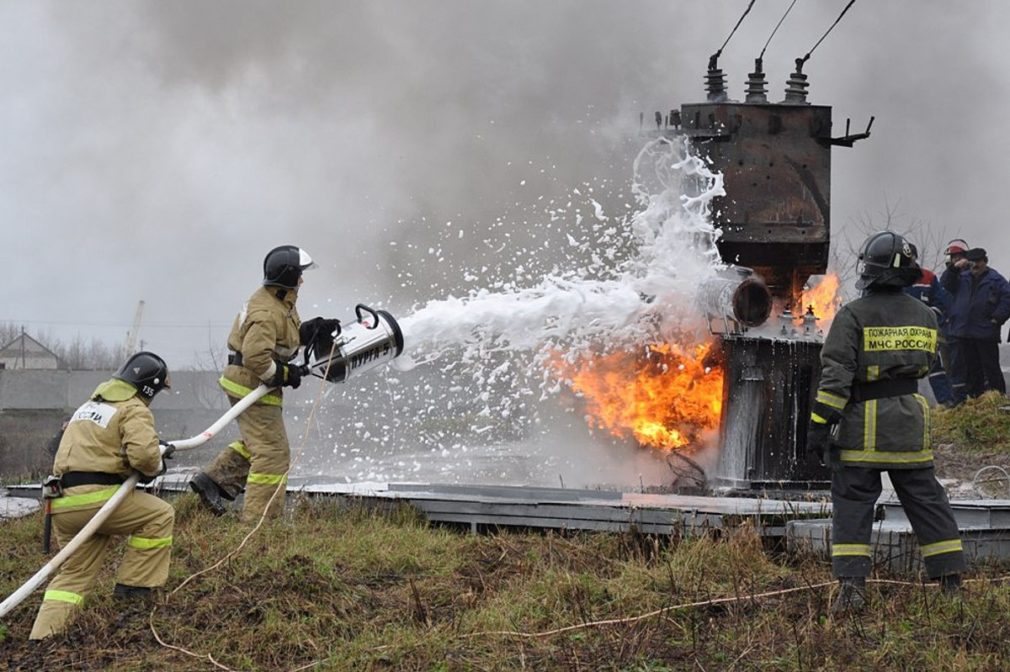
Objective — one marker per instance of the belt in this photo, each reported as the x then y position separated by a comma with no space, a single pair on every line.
235,358
75,478
880,389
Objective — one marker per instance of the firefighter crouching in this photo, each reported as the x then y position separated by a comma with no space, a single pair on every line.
264,338
868,418
107,438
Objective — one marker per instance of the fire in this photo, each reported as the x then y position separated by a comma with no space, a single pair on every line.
823,297
665,397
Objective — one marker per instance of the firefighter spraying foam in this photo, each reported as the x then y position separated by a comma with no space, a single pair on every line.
263,343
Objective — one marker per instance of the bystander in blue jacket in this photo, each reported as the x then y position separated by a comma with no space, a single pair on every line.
980,304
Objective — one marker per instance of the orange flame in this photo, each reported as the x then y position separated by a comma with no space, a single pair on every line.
665,397
823,297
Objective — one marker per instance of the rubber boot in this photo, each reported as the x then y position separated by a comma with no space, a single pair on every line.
209,492
126,592
851,595
950,585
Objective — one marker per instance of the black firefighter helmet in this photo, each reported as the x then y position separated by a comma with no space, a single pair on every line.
147,372
887,260
283,266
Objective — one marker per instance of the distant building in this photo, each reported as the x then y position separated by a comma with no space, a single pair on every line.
24,352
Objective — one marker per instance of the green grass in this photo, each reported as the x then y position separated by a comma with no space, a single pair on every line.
343,588
978,424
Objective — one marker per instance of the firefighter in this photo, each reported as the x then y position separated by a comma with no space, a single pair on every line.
108,438
868,418
264,339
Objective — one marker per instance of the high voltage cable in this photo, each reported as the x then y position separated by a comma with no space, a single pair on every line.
717,54
776,30
851,2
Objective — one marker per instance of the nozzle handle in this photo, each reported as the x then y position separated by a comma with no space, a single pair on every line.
360,308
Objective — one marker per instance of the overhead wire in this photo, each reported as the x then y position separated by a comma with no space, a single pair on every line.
800,61
716,55
775,30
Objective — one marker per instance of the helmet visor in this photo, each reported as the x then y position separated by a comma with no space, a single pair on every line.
305,261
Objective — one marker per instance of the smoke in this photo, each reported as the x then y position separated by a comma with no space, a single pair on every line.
157,150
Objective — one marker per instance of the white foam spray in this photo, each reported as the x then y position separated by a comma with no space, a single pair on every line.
650,296
482,405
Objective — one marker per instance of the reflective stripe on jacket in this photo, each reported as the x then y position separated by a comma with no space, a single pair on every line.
266,330
882,336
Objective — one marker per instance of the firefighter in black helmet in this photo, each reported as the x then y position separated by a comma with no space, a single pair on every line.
868,417
264,340
107,438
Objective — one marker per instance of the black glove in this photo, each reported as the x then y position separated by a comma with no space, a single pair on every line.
315,328
818,442
288,375
169,449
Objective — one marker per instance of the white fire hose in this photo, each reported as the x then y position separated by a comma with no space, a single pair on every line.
128,486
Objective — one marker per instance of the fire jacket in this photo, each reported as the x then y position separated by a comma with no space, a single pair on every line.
264,332
979,306
884,336
111,433
929,290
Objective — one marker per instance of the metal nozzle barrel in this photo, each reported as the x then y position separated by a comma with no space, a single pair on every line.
742,297
374,339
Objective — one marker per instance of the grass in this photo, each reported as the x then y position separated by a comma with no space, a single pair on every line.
979,424
338,587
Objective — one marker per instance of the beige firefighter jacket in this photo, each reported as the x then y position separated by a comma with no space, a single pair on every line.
112,433
265,331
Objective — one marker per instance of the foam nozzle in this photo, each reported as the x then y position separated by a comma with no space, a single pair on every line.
757,92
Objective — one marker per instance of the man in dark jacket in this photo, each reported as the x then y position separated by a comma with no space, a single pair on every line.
869,418
980,305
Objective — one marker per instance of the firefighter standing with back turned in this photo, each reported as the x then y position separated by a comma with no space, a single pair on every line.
868,417
108,438
264,339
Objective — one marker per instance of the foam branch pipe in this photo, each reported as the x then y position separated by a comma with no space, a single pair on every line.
110,505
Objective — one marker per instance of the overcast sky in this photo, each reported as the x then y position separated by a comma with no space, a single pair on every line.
156,150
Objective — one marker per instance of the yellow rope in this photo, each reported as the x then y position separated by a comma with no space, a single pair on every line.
280,487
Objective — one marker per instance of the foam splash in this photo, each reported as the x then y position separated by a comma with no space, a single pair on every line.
475,398
649,296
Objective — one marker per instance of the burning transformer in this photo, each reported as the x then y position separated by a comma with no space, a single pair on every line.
775,159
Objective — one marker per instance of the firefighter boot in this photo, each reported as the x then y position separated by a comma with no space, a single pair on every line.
123,591
209,492
950,585
851,595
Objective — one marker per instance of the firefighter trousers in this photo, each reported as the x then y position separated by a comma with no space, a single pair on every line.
854,493
257,464
147,520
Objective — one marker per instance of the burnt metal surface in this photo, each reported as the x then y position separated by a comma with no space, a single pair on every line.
776,163
769,388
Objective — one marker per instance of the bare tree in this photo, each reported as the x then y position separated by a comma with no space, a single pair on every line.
929,239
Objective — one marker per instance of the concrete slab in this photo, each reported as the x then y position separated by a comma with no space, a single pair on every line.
16,507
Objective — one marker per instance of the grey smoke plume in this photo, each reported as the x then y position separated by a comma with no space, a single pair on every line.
157,150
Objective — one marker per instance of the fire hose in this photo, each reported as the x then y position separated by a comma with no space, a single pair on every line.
128,486
374,339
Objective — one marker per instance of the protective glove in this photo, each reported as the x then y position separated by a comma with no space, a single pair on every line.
168,449
311,330
288,375
818,442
